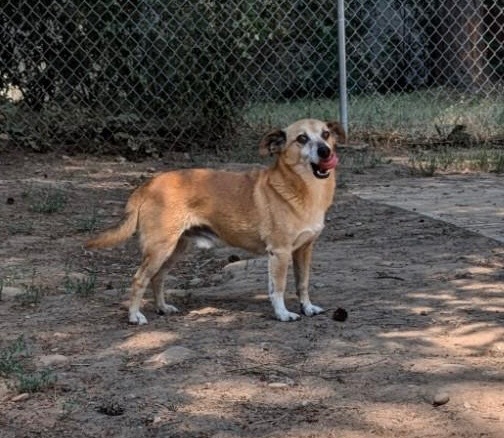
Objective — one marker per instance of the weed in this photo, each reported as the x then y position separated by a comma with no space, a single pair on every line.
123,289
32,293
477,159
400,115
89,223
82,286
36,381
172,406
428,163
482,161
359,162
341,181
47,201
20,228
31,296
425,166
11,357
499,163
68,407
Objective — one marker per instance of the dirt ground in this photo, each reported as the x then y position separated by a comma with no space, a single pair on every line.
420,355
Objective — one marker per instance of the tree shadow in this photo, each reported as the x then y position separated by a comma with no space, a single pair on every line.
425,304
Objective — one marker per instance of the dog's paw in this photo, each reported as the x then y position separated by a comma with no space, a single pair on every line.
137,318
287,316
310,309
167,309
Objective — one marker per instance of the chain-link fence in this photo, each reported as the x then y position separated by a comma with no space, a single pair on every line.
151,75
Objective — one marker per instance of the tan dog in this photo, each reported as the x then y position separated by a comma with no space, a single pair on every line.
278,210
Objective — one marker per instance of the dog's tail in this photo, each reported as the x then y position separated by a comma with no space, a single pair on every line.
122,231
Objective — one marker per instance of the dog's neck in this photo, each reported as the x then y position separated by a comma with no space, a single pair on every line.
297,186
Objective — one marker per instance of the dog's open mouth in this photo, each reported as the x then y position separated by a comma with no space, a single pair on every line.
322,169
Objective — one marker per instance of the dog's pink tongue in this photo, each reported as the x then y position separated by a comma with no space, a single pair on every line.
328,163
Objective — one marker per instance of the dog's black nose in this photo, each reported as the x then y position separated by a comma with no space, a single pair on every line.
323,151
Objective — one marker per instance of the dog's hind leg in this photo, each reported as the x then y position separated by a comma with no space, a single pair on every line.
278,265
158,279
301,259
152,263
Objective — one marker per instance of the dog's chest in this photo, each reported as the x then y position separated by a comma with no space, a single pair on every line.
309,232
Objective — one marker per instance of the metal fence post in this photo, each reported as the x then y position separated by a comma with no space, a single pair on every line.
343,101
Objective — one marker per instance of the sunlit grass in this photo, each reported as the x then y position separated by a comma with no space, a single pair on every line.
407,116
432,162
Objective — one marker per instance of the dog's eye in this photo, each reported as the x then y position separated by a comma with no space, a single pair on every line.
303,138
325,135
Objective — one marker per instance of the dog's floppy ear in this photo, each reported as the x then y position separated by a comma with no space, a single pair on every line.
272,143
337,130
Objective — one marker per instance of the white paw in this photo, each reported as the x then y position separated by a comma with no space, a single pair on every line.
287,316
137,318
310,309
167,309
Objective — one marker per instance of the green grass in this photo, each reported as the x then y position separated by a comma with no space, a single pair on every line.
425,118
81,286
282,114
19,227
401,116
360,161
429,163
12,356
13,365
90,222
47,201
32,292
35,381
31,296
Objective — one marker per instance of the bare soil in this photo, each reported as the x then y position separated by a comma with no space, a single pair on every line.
425,303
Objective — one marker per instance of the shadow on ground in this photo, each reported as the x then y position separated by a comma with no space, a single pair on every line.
425,302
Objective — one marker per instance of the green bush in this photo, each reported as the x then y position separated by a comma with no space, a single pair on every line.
177,72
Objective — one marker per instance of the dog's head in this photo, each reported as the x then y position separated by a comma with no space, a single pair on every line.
307,142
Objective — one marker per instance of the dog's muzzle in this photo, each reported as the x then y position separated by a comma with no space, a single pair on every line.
328,160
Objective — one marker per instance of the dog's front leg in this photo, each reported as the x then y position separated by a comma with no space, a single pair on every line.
278,265
301,259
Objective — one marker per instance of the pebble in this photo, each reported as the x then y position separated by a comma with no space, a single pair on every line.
441,398
278,385
171,356
52,359
281,385
4,389
240,266
453,368
195,281
20,397
9,292
216,278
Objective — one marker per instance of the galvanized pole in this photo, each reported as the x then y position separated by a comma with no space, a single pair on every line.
343,98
